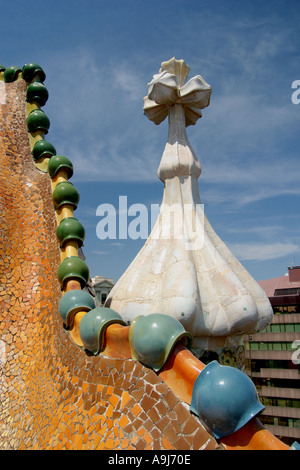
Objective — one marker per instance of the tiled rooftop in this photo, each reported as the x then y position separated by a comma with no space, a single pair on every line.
55,394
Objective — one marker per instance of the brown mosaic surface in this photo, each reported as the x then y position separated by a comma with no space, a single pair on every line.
53,395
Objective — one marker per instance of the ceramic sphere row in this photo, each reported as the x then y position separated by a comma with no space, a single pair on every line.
94,323
29,72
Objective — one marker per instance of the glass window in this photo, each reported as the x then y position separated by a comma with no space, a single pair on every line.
276,328
281,402
289,328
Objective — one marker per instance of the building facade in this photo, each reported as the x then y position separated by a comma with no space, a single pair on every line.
273,360
102,287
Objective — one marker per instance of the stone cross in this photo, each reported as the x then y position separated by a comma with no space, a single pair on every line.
184,269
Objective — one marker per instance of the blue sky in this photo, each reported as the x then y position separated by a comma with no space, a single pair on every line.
99,56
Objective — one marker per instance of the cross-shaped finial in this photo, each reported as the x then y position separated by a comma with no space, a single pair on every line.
168,88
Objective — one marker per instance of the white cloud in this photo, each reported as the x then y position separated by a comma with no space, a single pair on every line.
129,81
262,251
237,187
260,230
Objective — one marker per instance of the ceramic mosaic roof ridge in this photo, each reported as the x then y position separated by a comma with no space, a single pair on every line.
179,369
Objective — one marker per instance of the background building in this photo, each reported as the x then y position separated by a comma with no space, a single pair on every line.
273,361
102,287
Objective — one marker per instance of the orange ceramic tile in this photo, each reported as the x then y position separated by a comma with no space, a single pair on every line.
166,444
123,421
125,443
125,399
109,411
136,410
114,399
